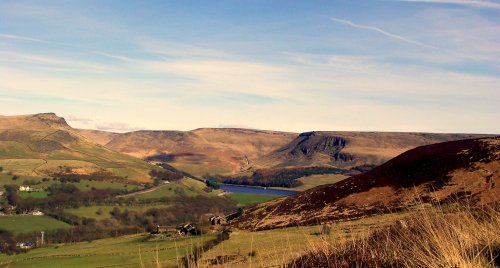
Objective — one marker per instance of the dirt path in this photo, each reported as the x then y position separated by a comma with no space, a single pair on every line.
140,192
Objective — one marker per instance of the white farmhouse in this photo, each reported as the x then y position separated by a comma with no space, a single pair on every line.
26,188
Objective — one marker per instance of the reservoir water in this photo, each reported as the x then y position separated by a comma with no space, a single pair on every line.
243,189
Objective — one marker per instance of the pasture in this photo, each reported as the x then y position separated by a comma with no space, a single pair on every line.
103,211
17,224
184,187
125,251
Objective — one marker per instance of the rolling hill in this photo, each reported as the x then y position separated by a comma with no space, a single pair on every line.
45,145
232,151
200,151
350,149
438,172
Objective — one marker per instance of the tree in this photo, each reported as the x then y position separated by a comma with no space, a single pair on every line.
212,184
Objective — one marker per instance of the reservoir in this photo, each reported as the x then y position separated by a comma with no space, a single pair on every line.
243,189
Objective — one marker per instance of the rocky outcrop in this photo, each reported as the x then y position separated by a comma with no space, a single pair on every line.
50,119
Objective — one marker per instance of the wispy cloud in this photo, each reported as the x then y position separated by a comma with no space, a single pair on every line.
23,38
383,32
116,127
112,56
476,3
72,118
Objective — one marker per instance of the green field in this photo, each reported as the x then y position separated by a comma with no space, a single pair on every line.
40,194
91,211
250,199
125,251
26,223
184,187
6,179
88,185
83,185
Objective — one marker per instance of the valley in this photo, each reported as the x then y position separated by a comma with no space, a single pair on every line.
104,198
260,134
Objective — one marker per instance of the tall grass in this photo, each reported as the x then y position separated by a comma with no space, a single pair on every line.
431,237
454,235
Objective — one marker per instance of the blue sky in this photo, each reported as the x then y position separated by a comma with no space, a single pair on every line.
423,65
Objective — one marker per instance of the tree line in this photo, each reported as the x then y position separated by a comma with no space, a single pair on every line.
283,177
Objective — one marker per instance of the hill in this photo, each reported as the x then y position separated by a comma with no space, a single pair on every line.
231,151
438,172
200,151
45,145
350,149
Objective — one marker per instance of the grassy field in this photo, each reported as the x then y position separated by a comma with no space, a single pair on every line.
83,185
40,194
27,223
125,251
91,211
184,187
250,199
274,248
88,185
6,179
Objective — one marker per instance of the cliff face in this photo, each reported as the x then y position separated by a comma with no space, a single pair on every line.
349,149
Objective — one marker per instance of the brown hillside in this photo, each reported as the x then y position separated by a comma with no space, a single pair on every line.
201,151
439,172
97,136
232,150
350,149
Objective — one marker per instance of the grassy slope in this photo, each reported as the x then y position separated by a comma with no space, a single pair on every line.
125,251
88,156
277,247
250,199
82,185
40,194
186,186
38,144
90,212
27,223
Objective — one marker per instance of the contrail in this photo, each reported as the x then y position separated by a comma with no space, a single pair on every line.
378,30
477,3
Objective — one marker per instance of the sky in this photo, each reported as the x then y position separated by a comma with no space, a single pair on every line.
415,65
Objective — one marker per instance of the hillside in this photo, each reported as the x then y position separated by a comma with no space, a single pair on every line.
200,151
231,151
350,149
45,145
438,172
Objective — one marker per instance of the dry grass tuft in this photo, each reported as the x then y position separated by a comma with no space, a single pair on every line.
432,237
